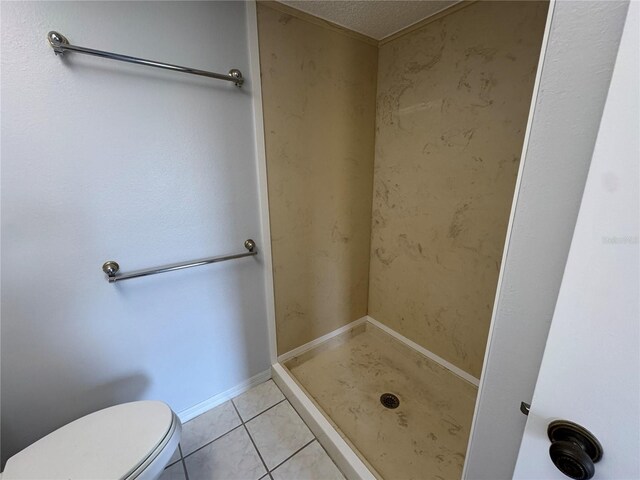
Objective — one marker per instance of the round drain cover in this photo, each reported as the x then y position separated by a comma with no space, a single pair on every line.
389,400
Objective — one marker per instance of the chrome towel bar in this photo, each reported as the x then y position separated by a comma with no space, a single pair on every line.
61,45
111,268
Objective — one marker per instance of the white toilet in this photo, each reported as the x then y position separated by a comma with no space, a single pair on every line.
130,441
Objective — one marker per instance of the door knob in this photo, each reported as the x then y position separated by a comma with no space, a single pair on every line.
574,449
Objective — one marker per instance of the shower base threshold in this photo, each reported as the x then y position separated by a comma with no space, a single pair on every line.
339,388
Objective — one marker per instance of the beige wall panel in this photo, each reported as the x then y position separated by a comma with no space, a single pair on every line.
318,88
452,105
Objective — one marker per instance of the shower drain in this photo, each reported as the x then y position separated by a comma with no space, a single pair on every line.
389,400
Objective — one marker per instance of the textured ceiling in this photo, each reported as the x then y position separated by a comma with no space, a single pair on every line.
374,18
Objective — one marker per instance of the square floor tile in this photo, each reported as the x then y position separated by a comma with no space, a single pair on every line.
174,472
278,433
232,457
258,399
208,426
175,457
310,463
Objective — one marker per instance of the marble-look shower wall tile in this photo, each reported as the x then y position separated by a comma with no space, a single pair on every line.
452,105
318,87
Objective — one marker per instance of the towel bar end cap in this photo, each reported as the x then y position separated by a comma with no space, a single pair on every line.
56,40
237,74
250,245
110,268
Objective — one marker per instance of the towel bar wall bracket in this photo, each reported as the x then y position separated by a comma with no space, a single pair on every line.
111,268
61,45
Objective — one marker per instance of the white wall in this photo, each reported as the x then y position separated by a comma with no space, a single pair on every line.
572,89
589,374
104,160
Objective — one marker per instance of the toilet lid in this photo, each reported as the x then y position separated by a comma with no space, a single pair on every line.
108,444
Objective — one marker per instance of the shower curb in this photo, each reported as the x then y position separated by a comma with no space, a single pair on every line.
337,448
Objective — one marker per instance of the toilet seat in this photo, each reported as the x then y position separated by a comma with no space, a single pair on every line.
128,441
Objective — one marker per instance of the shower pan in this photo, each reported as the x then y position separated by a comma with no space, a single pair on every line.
403,412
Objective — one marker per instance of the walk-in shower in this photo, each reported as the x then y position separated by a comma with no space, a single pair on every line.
391,169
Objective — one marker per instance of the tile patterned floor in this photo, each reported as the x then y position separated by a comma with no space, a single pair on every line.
257,435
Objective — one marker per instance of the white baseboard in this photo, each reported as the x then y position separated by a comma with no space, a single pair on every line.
219,399
340,452
313,343
427,353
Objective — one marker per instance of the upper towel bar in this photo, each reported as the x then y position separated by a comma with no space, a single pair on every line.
61,45
111,268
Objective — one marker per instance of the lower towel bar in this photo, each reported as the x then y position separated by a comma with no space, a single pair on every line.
111,268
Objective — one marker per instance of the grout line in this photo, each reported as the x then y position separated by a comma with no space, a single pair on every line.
179,449
184,464
251,438
266,410
254,443
184,469
237,412
256,448
242,422
327,454
223,397
211,441
295,453
343,454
